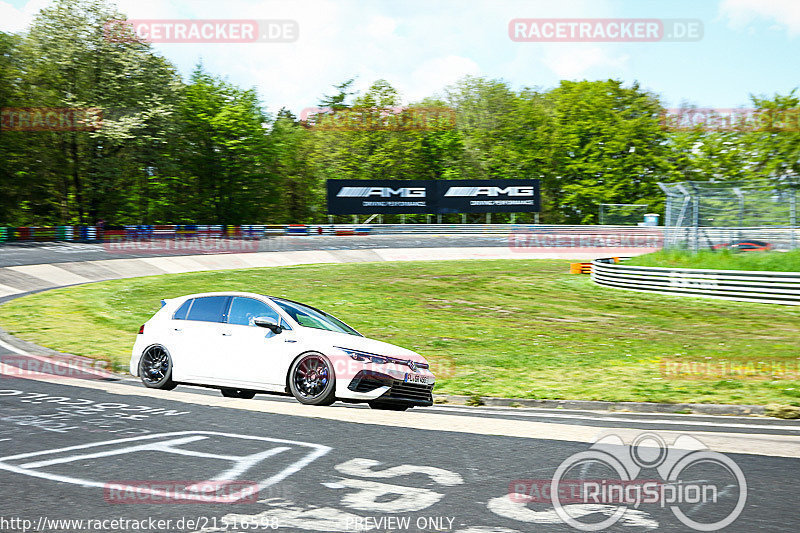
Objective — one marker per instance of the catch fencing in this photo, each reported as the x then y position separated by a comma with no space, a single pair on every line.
716,214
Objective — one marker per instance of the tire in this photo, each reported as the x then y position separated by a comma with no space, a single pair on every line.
384,406
238,393
312,380
155,368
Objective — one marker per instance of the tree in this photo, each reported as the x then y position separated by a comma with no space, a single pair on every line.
339,100
608,147
70,63
225,135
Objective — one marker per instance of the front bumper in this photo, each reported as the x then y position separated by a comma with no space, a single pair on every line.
395,390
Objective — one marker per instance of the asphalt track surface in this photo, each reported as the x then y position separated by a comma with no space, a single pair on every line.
75,449
15,254
443,468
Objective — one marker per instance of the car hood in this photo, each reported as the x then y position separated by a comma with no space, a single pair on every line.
343,340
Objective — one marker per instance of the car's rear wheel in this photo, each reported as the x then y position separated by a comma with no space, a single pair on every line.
386,406
312,380
238,393
155,368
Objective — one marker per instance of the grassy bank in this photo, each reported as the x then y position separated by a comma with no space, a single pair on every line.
522,328
721,260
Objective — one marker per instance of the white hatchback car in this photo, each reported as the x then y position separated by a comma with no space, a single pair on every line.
243,343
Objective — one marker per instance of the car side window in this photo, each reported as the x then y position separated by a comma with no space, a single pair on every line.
209,309
180,314
244,310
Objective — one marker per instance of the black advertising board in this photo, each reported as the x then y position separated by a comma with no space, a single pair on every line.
487,196
365,197
353,197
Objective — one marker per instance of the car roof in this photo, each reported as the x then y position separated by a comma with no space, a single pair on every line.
245,294
229,293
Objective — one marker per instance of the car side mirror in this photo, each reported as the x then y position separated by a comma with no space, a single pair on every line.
267,322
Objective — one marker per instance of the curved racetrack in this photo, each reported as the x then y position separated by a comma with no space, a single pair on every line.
66,443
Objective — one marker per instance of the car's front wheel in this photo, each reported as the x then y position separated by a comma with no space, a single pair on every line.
155,368
239,393
312,380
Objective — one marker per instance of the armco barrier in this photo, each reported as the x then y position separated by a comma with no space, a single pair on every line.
740,285
532,235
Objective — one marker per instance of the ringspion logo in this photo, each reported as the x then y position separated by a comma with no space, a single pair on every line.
704,489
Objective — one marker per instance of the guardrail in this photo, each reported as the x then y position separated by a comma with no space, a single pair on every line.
739,285
536,234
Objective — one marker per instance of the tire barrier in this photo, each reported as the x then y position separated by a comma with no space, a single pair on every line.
739,285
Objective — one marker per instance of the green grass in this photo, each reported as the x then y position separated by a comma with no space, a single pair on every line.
521,328
721,260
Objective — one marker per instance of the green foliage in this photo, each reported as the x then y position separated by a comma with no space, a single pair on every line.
514,328
608,148
224,144
721,260
202,150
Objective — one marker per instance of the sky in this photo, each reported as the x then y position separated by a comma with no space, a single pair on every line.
421,46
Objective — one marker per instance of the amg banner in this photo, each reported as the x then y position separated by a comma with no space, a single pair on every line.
353,197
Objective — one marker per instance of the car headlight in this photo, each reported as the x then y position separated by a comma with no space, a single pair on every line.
365,356
358,355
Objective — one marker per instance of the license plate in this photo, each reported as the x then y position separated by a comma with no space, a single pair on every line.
416,378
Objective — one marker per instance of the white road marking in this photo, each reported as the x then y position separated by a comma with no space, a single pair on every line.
710,421
12,348
168,444
372,496
666,422
518,510
747,443
23,373
362,468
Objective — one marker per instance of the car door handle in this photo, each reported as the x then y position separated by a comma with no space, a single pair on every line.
177,329
226,333
289,340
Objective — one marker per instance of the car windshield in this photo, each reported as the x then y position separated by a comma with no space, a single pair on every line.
314,318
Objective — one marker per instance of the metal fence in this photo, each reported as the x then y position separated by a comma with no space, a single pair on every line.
715,214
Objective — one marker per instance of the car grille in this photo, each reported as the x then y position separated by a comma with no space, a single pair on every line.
399,391
414,392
